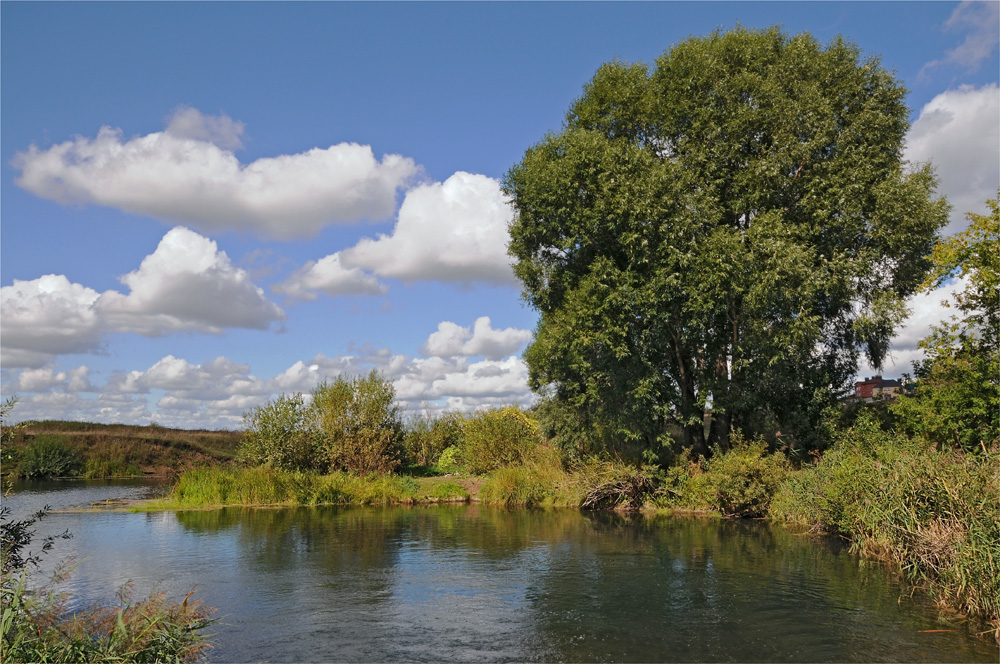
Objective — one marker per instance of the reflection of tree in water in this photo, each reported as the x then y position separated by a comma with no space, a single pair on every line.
664,588
565,585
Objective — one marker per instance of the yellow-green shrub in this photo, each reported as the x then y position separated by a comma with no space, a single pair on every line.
493,439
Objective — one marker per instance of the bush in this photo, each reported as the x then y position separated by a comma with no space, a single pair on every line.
359,425
48,455
278,434
450,460
426,438
493,439
745,478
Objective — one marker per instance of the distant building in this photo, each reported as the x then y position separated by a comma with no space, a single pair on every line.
876,387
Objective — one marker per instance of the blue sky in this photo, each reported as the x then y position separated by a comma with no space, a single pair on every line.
204,205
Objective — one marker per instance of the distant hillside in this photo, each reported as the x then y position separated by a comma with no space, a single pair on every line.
63,449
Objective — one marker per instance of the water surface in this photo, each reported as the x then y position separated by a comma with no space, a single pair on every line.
470,583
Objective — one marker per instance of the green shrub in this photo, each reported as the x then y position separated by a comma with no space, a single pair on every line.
745,478
358,423
426,438
493,439
279,434
48,455
450,460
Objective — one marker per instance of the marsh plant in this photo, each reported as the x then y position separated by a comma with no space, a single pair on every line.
36,625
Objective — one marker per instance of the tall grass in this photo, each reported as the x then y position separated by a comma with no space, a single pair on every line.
932,513
213,487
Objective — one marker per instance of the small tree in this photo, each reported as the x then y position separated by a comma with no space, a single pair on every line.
957,401
279,434
358,424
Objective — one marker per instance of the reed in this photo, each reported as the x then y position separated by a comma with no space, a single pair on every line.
265,486
932,514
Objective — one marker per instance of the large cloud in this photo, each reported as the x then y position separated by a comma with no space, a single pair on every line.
455,231
190,173
187,284
959,133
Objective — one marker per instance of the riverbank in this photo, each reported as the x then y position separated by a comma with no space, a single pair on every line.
53,448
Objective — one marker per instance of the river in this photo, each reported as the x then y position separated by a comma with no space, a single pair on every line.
471,583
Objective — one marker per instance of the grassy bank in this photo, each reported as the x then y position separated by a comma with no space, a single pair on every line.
932,514
79,449
263,486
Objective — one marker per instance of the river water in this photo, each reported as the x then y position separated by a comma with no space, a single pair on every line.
476,584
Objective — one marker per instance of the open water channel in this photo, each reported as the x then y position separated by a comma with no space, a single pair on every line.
476,584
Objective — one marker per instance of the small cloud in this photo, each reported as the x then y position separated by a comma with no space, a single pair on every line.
330,277
453,340
980,21
220,130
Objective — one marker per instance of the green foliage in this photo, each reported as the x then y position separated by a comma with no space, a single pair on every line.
48,455
745,478
493,439
450,460
733,225
957,399
279,434
427,437
358,424
932,513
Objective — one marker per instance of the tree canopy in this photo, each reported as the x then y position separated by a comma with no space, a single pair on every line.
725,231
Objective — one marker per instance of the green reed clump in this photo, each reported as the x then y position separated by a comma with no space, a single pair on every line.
37,627
931,513
262,485
48,455
539,480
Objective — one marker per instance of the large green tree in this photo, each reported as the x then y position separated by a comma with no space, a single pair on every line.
726,231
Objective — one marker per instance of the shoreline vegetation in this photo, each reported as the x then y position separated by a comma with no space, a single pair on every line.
928,513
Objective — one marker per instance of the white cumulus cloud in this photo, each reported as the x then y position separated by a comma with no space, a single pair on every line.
187,284
451,231
958,131
189,173
453,340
